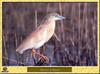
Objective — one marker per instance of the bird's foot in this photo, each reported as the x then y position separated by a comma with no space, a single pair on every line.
44,58
33,52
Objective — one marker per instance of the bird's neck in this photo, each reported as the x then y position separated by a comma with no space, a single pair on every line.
52,25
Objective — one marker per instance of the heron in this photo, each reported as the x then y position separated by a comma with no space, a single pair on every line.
40,36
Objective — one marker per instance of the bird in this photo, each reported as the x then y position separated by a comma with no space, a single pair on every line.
41,35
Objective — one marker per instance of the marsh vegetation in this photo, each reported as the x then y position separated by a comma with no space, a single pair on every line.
78,33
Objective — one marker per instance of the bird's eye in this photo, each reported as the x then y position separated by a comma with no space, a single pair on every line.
56,15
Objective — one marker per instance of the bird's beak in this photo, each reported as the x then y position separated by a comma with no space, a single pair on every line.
61,17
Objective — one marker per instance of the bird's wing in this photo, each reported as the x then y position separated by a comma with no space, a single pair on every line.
32,39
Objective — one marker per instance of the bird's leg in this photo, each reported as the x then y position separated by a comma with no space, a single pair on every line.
33,52
42,50
45,58
40,55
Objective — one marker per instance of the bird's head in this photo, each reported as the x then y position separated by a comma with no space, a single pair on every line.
55,16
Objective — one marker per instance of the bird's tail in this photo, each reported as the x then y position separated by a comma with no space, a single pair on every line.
19,51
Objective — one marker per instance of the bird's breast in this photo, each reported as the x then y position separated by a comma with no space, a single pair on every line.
50,31
46,34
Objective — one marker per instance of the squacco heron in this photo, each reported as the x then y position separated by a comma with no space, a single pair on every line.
41,35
